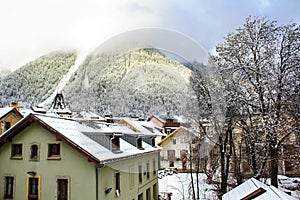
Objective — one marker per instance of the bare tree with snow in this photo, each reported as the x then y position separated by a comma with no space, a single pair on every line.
260,63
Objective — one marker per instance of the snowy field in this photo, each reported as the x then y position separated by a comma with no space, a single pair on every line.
180,186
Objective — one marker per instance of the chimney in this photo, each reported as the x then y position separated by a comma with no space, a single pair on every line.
15,105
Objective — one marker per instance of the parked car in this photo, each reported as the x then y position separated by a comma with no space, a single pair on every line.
171,171
288,183
174,170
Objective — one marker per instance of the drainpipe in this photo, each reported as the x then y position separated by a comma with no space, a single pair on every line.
110,142
97,179
97,183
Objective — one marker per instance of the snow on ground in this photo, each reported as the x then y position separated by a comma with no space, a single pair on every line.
180,186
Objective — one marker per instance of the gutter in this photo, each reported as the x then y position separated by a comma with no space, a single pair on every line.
97,179
112,160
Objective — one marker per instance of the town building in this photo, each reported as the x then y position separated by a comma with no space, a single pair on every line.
143,127
166,125
176,149
8,117
48,157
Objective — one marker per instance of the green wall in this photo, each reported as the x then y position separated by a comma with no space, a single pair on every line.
80,172
129,175
72,165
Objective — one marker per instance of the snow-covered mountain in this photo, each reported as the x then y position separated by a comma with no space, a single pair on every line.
35,81
143,81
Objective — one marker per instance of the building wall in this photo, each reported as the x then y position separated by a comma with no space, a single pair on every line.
183,140
157,122
80,173
130,185
72,165
12,118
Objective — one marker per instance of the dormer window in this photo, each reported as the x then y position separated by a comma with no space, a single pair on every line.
153,142
168,131
116,143
139,143
150,141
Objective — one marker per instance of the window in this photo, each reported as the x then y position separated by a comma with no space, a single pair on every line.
6,126
174,141
140,174
16,151
33,188
288,165
140,197
116,143
148,170
139,143
131,176
34,152
9,187
155,193
54,151
183,154
118,186
171,163
168,131
153,142
171,155
246,167
148,194
62,189
154,167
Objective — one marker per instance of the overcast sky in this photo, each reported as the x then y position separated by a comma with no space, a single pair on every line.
32,28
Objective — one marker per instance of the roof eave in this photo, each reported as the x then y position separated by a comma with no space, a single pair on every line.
112,160
23,123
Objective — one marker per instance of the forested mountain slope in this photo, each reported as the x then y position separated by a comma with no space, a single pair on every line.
137,82
35,81
143,81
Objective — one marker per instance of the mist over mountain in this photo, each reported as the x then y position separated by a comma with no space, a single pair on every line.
4,72
139,82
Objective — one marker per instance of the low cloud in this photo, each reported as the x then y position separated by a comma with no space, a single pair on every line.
32,28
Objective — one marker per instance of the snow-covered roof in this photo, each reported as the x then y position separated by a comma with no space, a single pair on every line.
61,111
74,133
144,127
38,109
257,188
87,115
181,128
5,110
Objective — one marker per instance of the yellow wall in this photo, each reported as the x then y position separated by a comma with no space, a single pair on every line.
12,118
183,139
